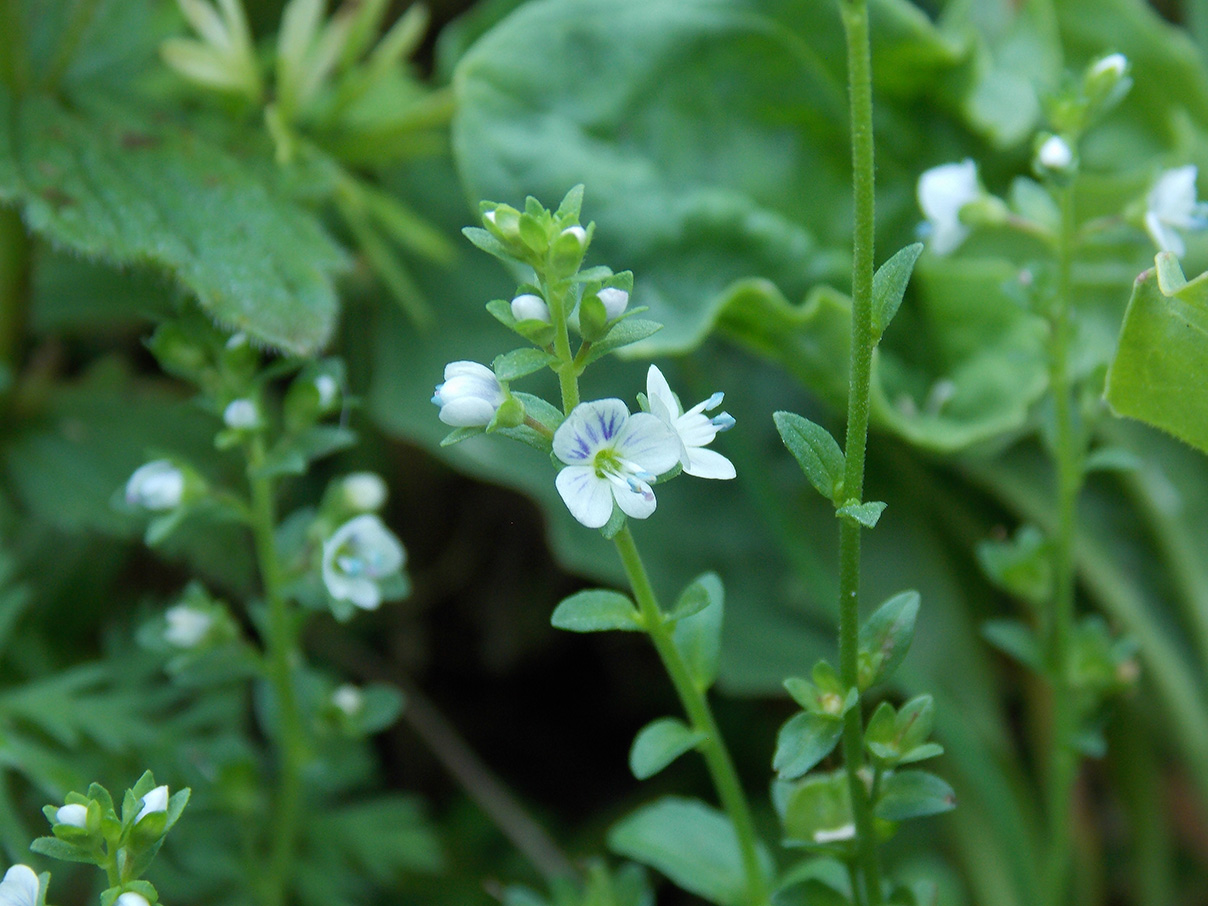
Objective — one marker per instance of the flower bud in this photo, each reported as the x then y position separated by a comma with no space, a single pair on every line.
469,396
349,699
615,301
73,815
158,487
131,898
568,250
358,557
154,801
364,492
509,415
1054,158
503,222
186,626
530,307
241,415
1106,82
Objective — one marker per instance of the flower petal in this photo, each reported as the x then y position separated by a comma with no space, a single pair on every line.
696,430
1164,236
586,495
708,464
1172,198
649,442
638,503
662,400
20,887
589,427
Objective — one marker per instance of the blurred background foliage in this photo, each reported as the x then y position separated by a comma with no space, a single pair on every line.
710,136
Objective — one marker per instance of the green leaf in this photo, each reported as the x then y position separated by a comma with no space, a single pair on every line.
818,811
885,637
889,285
803,741
691,843
659,743
110,183
1158,373
913,794
866,514
1022,566
521,362
695,598
815,450
625,333
1016,640
596,610
698,637
65,852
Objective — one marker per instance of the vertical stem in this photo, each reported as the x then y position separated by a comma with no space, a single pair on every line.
859,71
14,288
1067,461
568,378
282,652
696,705
14,64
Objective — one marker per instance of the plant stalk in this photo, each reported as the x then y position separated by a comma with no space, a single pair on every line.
568,373
696,705
282,644
15,248
859,70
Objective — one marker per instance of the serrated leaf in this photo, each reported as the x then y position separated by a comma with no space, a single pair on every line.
698,637
109,183
658,744
886,635
866,514
521,362
913,794
889,285
803,741
596,610
815,450
691,843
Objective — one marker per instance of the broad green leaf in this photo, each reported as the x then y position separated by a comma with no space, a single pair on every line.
818,811
913,794
889,285
698,637
815,450
885,637
658,744
866,514
1158,373
595,610
113,183
693,844
803,741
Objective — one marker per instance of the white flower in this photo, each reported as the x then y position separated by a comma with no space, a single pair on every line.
364,492
186,626
242,414
615,301
1055,153
154,801
357,557
20,887
75,815
693,428
611,455
328,390
470,395
157,486
348,698
1171,206
131,898
942,192
529,307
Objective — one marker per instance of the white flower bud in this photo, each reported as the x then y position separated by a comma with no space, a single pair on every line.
131,898
1114,65
528,307
348,698
154,801
186,626
1055,154
364,492
328,390
241,414
470,395
578,232
615,301
158,486
75,815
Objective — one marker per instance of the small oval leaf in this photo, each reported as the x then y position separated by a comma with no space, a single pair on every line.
596,610
914,794
815,450
658,744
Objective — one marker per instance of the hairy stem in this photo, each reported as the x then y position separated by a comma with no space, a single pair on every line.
696,705
859,70
556,295
282,644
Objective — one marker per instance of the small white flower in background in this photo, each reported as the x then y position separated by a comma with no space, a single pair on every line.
1055,153
694,429
470,395
364,492
75,815
242,414
20,887
186,626
131,898
610,456
942,192
348,698
530,307
358,555
328,390
154,801
1171,206
615,301
157,486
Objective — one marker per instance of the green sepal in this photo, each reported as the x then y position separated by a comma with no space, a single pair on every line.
913,794
815,450
885,638
615,523
889,286
803,741
866,514
571,205
596,610
659,743
698,637
518,363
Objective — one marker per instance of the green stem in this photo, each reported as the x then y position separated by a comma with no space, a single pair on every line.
696,705
14,62
15,247
1067,460
282,643
859,72
568,372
